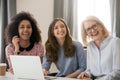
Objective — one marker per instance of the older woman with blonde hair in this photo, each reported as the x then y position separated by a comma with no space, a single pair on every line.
103,51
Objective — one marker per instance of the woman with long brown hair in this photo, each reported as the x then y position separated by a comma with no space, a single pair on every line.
68,55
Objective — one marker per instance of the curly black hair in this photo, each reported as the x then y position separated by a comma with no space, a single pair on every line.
12,28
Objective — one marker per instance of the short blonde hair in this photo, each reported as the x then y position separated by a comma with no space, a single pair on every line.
83,32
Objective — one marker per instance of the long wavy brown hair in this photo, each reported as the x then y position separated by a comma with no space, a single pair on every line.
52,46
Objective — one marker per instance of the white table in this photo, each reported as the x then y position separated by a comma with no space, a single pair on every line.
10,76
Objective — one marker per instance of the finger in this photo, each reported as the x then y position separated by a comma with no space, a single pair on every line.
86,75
78,76
45,72
15,37
83,75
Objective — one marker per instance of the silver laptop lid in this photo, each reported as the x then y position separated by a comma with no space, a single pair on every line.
27,67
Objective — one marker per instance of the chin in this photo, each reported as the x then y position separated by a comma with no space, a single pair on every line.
25,38
94,39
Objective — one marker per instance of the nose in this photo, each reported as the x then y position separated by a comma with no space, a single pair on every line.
92,30
60,29
25,29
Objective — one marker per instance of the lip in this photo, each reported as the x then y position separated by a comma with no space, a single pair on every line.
61,33
95,33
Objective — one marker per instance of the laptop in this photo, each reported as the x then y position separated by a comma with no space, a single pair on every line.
27,67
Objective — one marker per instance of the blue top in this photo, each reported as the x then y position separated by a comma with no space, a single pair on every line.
106,60
68,65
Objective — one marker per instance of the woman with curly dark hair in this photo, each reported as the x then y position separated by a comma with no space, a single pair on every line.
68,55
23,37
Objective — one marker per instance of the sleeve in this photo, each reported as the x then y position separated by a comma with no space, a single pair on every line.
81,58
115,74
46,65
9,50
40,50
88,62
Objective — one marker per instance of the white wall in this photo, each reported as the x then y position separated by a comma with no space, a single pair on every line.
42,11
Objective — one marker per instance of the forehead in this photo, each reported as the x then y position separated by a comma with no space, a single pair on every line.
89,23
24,21
59,23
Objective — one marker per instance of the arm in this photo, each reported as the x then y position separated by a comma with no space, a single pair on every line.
81,61
115,74
9,50
15,41
73,75
81,57
46,66
40,51
88,64
12,49
83,75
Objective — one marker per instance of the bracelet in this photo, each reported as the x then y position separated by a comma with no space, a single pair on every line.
16,53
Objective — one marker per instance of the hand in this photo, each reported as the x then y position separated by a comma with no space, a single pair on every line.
86,78
11,70
83,75
45,72
72,75
15,41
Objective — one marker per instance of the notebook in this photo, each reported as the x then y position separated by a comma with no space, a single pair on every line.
27,67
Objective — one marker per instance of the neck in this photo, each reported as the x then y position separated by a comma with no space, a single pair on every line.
24,43
98,42
61,42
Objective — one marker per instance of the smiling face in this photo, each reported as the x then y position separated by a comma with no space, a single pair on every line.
59,30
25,30
94,30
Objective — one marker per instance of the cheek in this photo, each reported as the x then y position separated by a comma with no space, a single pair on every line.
19,31
31,31
100,29
101,32
54,32
88,35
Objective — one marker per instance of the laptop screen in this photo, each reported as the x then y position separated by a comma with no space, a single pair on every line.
27,67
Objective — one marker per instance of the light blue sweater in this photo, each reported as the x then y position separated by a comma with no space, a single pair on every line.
71,64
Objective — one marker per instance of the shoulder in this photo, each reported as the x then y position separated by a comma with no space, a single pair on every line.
38,45
9,46
115,40
112,40
9,49
77,44
91,43
79,48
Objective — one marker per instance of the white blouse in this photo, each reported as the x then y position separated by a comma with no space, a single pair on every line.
106,60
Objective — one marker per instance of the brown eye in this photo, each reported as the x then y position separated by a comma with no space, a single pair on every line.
29,26
55,27
21,26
